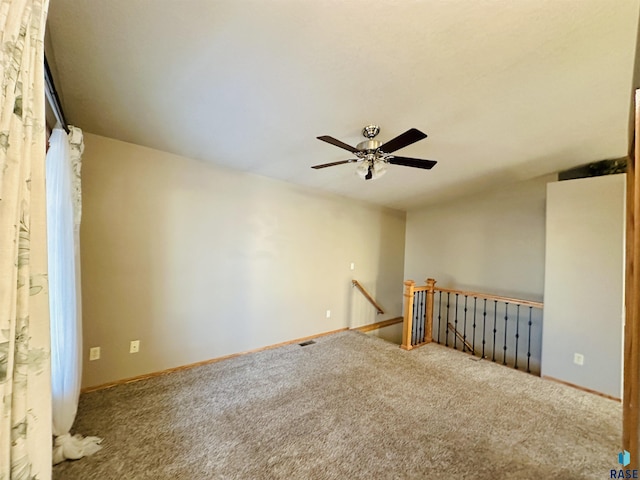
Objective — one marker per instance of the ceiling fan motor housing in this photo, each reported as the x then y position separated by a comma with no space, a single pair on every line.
369,146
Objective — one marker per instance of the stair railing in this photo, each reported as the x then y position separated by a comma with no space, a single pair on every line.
366,294
488,326
418,306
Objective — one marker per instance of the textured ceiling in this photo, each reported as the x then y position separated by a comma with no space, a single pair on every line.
506,90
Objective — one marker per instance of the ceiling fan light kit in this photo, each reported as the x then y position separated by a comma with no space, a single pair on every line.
375,169
373,156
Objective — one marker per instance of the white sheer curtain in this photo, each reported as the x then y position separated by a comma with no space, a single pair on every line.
63,220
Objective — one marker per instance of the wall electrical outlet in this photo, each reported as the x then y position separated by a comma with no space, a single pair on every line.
94,353
134,346
328,313
578,359
352,266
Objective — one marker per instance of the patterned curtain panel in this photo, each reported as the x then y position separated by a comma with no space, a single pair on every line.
25,383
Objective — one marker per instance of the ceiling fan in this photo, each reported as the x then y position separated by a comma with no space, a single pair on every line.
373,156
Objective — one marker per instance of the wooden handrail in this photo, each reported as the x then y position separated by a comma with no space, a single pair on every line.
357,284
461,337
514,301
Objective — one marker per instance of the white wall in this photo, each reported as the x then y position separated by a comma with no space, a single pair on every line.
584,282
492,242
198,262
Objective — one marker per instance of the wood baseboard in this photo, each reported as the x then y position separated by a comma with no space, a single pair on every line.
377,325
581,388
204,362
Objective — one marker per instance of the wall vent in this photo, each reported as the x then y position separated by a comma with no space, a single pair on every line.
308,342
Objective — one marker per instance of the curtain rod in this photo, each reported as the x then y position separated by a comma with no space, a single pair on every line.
52,96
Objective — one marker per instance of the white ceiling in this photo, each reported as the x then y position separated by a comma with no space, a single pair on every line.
505,89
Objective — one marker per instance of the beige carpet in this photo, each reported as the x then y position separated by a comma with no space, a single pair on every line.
348,407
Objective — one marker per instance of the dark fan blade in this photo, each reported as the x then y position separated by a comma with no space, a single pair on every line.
412,162
407,138
341,162
337,143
